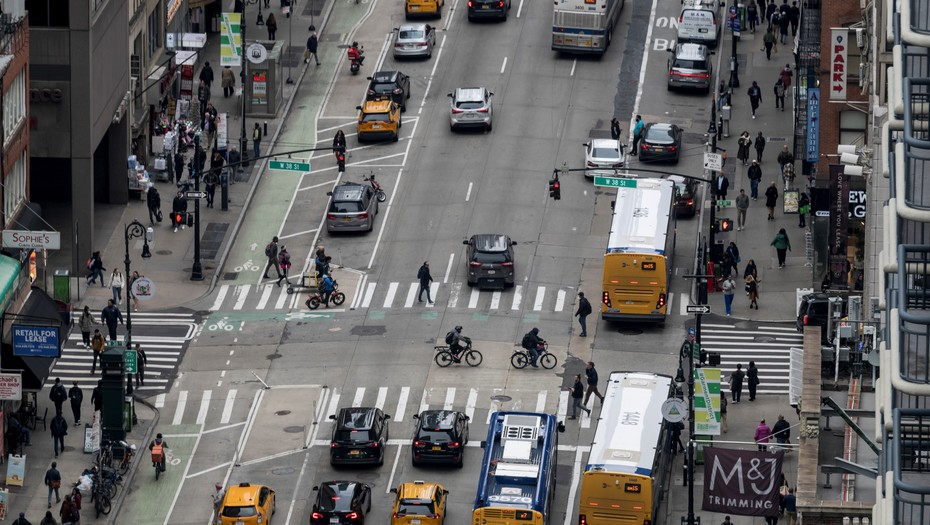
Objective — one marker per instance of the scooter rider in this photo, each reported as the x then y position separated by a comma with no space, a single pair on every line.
159,442
456,346
533,343
356,54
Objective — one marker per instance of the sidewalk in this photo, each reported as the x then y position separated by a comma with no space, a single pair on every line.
777,292
173,253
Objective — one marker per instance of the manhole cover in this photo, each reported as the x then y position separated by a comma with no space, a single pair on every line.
369,330
501,398
765,339
630,331
282,412
283,471
293,429
163,252
230,276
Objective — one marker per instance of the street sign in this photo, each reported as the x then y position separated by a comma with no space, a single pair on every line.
698,308
130,362
37,240
713,161
614,182
289,165
674,410
192,195
724,204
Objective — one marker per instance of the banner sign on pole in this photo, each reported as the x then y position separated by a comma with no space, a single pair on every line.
742,482
707,401
839,67
838,234
36,341
231,40
11,387
813,124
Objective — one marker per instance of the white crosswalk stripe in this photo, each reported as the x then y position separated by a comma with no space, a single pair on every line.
768,344
394,295
162,352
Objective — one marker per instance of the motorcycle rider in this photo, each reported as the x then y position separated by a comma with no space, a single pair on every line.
533,343
160,442
456,346
355,53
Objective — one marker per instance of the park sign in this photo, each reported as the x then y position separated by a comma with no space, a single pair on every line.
36,341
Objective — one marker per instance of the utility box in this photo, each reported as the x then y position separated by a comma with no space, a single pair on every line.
113,391
61,286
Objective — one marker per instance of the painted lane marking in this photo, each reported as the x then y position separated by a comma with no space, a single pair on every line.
179,410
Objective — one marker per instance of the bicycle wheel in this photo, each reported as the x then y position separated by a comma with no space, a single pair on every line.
112,489
443,358
105,504
157,472
548,361
518,360
339,298
313,303
473,358
124,465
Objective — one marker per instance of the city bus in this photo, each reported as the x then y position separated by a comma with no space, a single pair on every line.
629,462
584,26
638,261
516,485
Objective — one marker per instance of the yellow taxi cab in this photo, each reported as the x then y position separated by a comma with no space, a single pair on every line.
379,119
246,504
419,503
414,8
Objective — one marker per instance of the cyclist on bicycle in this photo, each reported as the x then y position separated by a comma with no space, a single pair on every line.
327,287
533,345
157,447
455,339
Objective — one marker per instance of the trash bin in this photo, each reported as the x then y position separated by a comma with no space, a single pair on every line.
61,286
129,413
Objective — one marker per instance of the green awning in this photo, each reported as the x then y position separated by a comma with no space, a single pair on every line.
9,276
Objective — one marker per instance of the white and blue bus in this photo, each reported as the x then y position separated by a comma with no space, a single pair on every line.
584,26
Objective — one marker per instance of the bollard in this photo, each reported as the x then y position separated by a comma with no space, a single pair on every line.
224,191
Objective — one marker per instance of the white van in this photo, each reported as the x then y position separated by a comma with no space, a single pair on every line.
699,23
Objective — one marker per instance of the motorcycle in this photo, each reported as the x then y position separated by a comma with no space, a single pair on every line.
379,191
356,57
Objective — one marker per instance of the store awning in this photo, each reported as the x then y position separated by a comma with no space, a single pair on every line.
193,4
9,277
39,308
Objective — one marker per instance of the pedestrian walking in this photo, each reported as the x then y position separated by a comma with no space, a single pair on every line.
97,344
785,76
784,157
637,134
142,361
58,395
752,290
760,146
733,252
21,520
271,24
768,41
206,75
271,253
321,262
179,211
723,412
591,375
95,265
87,324
76,395
59,429
770,9
721,186
781,430
96,399
328,287
425,280
752,379
582,313
782,246
729,288
69,512
674,437
771,197
784,22
736,383
751,270
615,128
754,173
755,97
116,284
762,435
789,507
311,51
577,391
795,16
744,142
752,15
76,500
110,315
804,208
178,167
256,140
49,519
742,205
726,521
229,82
779,94
284,262
203,94
53,482
153,202
788,175
723,96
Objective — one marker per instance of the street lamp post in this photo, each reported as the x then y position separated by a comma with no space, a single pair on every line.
290,39
734,34
134,230
197,267
243,142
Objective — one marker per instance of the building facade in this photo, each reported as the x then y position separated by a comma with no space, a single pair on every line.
14,72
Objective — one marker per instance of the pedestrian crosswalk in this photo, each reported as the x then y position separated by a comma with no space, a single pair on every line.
214,409
163,336
768,344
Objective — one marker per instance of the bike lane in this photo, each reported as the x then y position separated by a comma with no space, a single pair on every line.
150,501
277,192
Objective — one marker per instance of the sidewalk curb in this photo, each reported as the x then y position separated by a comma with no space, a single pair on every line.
127,481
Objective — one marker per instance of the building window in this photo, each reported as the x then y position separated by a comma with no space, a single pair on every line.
14,107
48,13
154,30
14,188
852,127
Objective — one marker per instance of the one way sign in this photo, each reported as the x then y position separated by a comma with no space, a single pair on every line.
196,195
698,308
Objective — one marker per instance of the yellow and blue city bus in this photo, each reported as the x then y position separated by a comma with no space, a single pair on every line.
517,482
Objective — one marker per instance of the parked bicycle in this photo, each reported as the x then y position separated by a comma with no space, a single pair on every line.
521,357
129,451
445,358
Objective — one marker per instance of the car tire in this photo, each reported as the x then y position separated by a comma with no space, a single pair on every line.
406,15
610,37
452,127
470,284
439,12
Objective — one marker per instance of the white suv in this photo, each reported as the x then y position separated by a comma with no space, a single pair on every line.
471,107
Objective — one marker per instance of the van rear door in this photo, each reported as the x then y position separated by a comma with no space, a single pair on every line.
698,26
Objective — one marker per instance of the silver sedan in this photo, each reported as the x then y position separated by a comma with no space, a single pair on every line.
414,40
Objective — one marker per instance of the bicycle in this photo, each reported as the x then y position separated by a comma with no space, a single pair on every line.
445,358
102,501
316,297
129,451
105,454
521,357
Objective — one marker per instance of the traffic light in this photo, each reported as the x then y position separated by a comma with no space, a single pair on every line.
555,189
341,161
726,225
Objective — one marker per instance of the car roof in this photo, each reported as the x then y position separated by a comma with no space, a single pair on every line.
412,27
381,105
605,143
242,495
422,490
470,94
384,76
661,125
491,242
438,419
356,418
348,191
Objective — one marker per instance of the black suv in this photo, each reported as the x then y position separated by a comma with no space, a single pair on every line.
815,310
488,9
489,260
341,502
359,436
393,83
440,437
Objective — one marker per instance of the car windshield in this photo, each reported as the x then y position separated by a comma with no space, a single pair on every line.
376,117
660,135
239,512
491,257
346,207
469,104
335,498
435,436
690,64
415,507
606,153
412,34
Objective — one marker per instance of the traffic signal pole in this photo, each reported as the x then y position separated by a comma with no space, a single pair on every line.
197,267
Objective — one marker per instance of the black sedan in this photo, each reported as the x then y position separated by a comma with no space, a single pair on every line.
660,142
440,437
341,502
685,196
